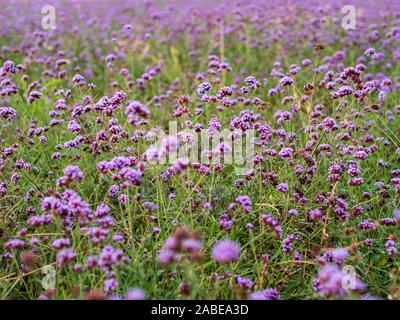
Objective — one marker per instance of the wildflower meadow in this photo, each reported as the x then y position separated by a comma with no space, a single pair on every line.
219,150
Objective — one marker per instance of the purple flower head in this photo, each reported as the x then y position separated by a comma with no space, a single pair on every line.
315,214
73,172
267,294
34,95
244,282
78,80
273,223
287,243
8,113
286,81
14,244
336,255
135,294
245,203
169,144
252,82
333,282
61,243
64,256
282,187
396,214
167,257
204,88
367,225
110,285
74,126
286,153
391,249
226,251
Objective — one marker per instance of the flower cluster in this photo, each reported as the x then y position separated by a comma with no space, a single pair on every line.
273,223
333,282
181,242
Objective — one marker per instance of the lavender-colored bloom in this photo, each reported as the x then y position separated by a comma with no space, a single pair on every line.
336,255
191,245
267,294
40,220
297,256
135,294
367,225
8,113
286,81
245,203
368,242
14,244
315,214
91,262
244,282
369,52
226,251
166,256
369,297
252,82
74,126
61,243
118,238
282,187
204,88
78,80
34,241
343,91
207,206
287,243
113,191
273,223
396,214
169,144
122,198
382,96
330,282
136,110
8,65
110,285
225,223
73,173
387,221
286,153
391,249
64,256
132,176
34,95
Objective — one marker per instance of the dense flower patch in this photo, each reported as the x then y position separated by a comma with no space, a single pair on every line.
99,201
